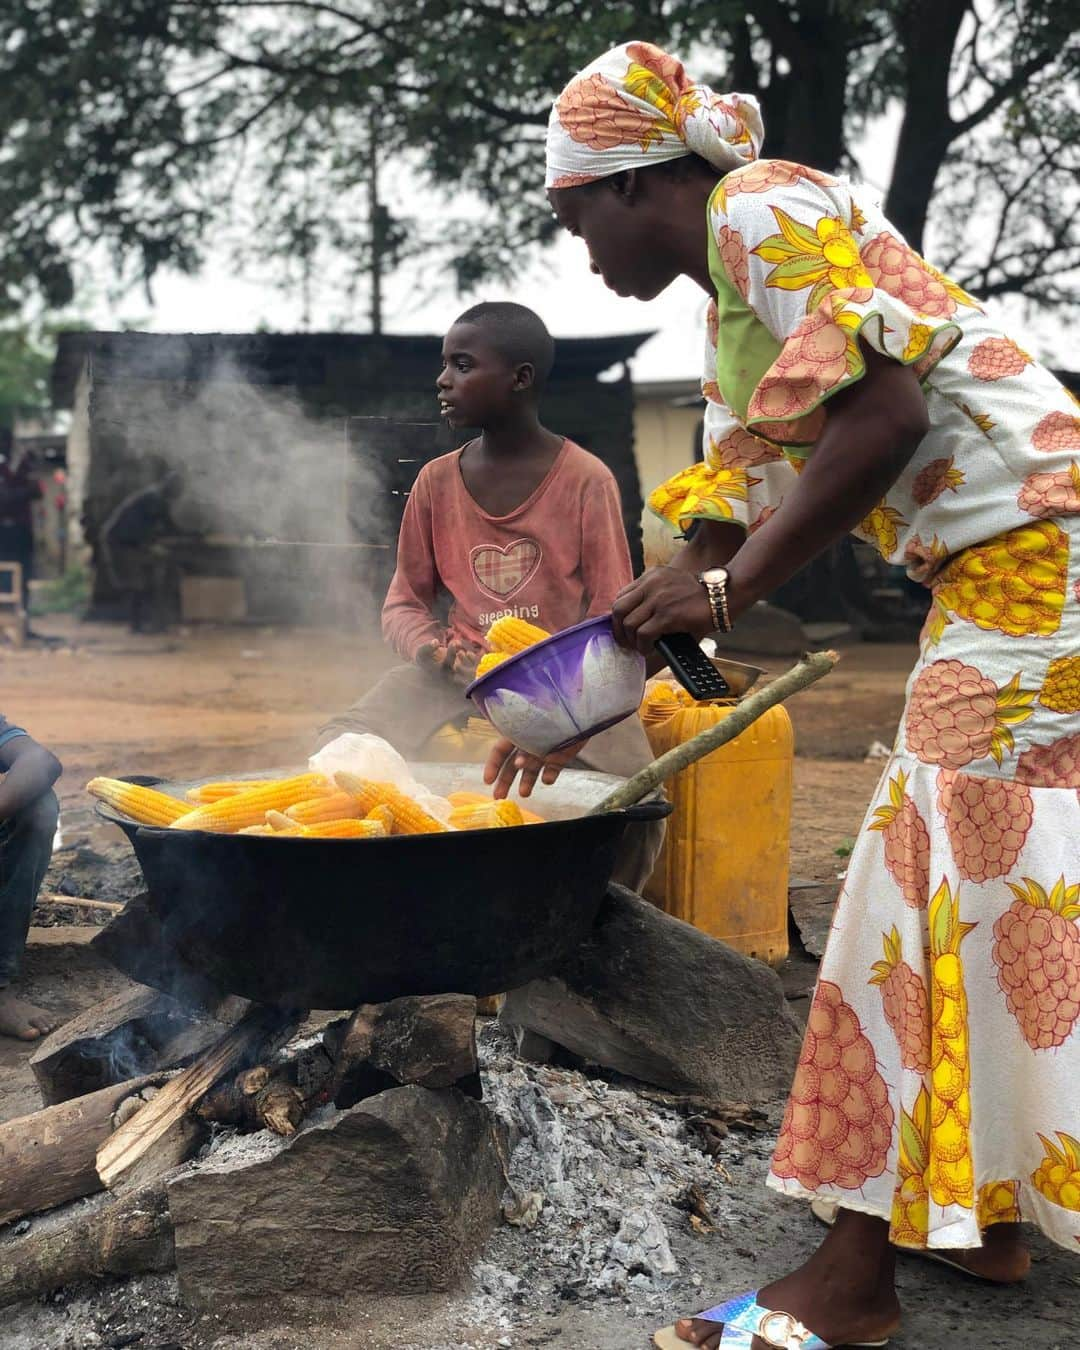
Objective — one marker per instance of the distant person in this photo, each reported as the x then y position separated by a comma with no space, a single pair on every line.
28,815
18,492
130,544
519,521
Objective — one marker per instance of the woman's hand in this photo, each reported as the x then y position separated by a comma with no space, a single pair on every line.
506,761
662,600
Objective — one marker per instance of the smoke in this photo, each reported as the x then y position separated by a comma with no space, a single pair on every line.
268,483
254,460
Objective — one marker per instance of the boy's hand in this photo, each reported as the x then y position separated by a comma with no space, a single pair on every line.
461,661
431,656
506,761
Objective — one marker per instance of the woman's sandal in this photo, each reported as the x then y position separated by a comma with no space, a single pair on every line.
825,1211
744,1318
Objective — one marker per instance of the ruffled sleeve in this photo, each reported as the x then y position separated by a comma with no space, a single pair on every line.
819,272
741,480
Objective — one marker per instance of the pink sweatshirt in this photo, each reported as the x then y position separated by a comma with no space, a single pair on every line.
560,557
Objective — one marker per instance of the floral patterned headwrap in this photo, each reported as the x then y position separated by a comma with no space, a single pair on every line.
636,105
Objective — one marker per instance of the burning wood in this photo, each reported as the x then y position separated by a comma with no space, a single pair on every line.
246,1041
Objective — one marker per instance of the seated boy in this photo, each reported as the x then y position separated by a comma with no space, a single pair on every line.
519,521
28,813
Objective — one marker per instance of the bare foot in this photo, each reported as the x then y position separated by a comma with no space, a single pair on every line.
21,1020
1003,1258
845,1293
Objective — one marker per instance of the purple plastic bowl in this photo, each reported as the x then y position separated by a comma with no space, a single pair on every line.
572,685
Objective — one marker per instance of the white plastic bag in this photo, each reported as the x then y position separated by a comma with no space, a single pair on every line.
376,760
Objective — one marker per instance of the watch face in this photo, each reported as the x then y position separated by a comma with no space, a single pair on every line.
716,575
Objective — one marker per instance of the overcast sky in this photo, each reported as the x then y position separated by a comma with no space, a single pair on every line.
558,285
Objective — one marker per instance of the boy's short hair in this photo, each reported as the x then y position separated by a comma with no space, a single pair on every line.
517,333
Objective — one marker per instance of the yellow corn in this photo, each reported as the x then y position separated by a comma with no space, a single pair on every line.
349,828
514,635
409,817
334,806
459,799
487,817
257,829
383,816
489,661
213,792
231,814
142,804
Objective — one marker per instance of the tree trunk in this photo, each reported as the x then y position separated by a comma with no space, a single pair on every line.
928,31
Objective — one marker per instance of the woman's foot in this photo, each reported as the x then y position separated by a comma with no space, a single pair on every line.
845,1293
23,1021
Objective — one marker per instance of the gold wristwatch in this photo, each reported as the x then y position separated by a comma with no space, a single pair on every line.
715,580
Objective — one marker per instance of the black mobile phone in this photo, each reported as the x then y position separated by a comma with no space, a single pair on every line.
692,668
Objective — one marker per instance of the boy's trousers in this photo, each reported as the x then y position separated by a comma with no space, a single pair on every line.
408,705
26,842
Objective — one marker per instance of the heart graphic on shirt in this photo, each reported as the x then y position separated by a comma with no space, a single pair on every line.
502,572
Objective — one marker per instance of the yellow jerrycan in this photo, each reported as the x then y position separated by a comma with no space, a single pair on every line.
724,863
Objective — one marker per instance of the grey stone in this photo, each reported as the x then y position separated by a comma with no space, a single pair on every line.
398,1194
654,998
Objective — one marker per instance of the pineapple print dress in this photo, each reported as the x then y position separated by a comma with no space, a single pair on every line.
939,1083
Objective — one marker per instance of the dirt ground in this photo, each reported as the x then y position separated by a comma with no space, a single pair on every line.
222,701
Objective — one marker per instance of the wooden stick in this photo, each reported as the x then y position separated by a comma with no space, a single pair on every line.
812,667
247,1039
55,898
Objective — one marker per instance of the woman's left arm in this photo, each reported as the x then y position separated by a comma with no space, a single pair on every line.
873,429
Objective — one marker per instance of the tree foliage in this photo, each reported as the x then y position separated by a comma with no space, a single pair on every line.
156,127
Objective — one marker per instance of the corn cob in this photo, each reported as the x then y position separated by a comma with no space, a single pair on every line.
257,829
409,817
279,823
384,816
215,792
334,806
514,635
459,799
249,808
347,827
489,661
487,817
142,804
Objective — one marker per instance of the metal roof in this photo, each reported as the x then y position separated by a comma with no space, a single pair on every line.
294,359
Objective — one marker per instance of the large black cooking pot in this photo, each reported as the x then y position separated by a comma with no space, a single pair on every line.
331,923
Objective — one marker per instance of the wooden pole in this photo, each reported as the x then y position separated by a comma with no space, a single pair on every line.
811,668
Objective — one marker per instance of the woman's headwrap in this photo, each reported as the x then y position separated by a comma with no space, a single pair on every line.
636,105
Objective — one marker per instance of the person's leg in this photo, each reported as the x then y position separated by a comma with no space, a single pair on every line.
622,751
406,707
25,849
845,1293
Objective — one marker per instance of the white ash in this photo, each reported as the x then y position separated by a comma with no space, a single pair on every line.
227,1148
595,1174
